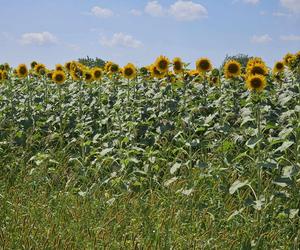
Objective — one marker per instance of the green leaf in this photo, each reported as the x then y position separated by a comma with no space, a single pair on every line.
175,167
253,141
106,151
237,185
284,146
283,181
170,181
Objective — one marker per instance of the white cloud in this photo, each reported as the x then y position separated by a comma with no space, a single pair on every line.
38,38
187,10
120,39
252,1
261,39
280,14
291,5
153,8
290,38
101,12
136,12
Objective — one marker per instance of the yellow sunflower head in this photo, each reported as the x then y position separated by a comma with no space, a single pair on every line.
88,76
256,83
298,55
40,69
257,68
22,71
177,65
155,73
97,73
33,64
76,71
287,59
4,75
1,75
203,65
49,74
254,60
193,73
114,68
278,67
6,66
68,66
59,67
59,76
162,64
107,66
232,68
129,71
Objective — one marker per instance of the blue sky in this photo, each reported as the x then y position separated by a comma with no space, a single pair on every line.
139,30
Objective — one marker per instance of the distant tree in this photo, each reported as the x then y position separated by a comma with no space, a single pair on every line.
91,62
241,58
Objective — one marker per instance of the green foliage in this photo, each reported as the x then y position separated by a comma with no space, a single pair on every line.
149,164
91,62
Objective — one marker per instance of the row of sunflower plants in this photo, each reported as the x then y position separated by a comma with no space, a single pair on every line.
131,129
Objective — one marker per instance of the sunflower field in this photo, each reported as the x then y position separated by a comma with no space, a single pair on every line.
157,157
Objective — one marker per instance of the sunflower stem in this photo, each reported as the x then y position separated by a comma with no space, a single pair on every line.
60,115
259,133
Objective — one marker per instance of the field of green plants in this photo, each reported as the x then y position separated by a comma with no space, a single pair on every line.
158,157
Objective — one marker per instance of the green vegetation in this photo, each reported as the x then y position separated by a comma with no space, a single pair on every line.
149,163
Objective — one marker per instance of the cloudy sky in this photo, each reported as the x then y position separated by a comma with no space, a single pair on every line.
54,31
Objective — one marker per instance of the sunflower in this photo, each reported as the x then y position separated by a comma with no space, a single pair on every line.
203,65
49,74
232,69
4,75
88,76
256,83
171,77
40,69
107,66
129,71
162,64
33,64
298,55
257,68
114,68
76,71
254,60
155,73
97,73
287,58
73,65
6,66
59,67
22,71
1,75
59,76
177,65
68,66
278,67
193,73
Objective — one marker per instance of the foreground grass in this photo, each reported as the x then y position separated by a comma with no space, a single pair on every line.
35,216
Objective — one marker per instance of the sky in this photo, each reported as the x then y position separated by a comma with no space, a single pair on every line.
137,31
